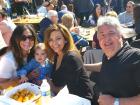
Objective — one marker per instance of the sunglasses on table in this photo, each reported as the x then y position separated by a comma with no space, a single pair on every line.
30,37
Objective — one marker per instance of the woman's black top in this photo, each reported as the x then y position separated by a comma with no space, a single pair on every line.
72,73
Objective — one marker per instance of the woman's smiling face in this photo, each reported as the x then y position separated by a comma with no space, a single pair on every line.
27,41
57,42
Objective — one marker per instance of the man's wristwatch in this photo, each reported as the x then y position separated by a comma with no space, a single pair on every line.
116,102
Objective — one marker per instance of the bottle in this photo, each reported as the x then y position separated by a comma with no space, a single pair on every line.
45,92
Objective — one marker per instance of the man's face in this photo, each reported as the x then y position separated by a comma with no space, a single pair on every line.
54,19
129,7
110,40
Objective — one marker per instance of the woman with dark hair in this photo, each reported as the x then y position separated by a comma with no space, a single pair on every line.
96,14
68,67
136,14
18,53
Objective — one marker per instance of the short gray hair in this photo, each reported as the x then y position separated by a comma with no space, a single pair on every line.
52,13
64,7
109,20
131,2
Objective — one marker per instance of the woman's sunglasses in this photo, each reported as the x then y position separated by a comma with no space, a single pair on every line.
30,37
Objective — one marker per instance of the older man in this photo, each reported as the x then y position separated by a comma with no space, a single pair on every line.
118,81
51,18
126,17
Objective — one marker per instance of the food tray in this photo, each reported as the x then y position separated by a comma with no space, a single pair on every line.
29,86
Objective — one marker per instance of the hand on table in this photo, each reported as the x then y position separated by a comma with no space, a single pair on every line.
75,29
106,100
23,79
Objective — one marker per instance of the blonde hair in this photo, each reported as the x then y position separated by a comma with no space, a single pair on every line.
68,20
40,46
112,13
69,45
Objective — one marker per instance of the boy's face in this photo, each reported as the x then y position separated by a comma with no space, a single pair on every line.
40,56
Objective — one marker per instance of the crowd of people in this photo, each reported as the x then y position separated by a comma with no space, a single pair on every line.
54,52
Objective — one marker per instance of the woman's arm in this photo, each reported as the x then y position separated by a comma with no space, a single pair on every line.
93,67
7,68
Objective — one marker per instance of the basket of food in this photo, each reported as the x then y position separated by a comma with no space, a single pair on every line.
25,93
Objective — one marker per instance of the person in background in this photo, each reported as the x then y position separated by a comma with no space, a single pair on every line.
96,14
36,4
20,51
112,13
93,20
51,18
7,20
39,64
5,6
68,21
46,6
136,42
83,9
118,80
95,42
6,27
21,6
103,3
68,67
126,18
116,5
64,10
68,3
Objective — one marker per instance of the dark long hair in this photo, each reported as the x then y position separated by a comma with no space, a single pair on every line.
136,15
15,44
136,12
94,15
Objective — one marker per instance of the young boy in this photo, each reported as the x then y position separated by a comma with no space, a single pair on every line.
40,65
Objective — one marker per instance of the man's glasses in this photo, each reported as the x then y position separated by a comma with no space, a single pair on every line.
30,37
